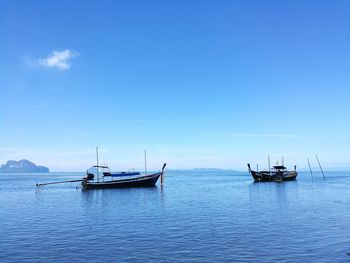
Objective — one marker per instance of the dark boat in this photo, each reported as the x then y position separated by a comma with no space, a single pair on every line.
134,179
279,173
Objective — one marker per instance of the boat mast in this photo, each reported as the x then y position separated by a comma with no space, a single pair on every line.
145,163
98,176
268,157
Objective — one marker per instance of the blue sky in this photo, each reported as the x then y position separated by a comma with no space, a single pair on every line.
197,83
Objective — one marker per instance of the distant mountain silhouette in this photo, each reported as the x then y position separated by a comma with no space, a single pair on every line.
22,166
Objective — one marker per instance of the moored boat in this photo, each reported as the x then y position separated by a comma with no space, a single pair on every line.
278,173
121,180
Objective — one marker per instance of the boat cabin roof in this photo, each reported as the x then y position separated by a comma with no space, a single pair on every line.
279,167
100,166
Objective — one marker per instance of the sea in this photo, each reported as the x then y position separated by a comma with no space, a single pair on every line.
196,216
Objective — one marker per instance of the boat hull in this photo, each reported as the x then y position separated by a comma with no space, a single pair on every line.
144,181
279,174
273,177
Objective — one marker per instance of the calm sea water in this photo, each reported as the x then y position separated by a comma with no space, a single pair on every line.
197,216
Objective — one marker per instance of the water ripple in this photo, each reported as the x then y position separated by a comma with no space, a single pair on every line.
195,217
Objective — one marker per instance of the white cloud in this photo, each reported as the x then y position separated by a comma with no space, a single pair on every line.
58,59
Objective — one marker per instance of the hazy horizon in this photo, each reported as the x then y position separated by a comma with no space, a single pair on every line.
262,166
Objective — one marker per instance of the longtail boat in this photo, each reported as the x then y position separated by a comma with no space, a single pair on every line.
120,180
278,173
114,180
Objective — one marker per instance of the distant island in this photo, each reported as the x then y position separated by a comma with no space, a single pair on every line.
22,166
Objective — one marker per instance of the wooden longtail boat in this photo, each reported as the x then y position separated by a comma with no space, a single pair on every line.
134,179
114,180
279,173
